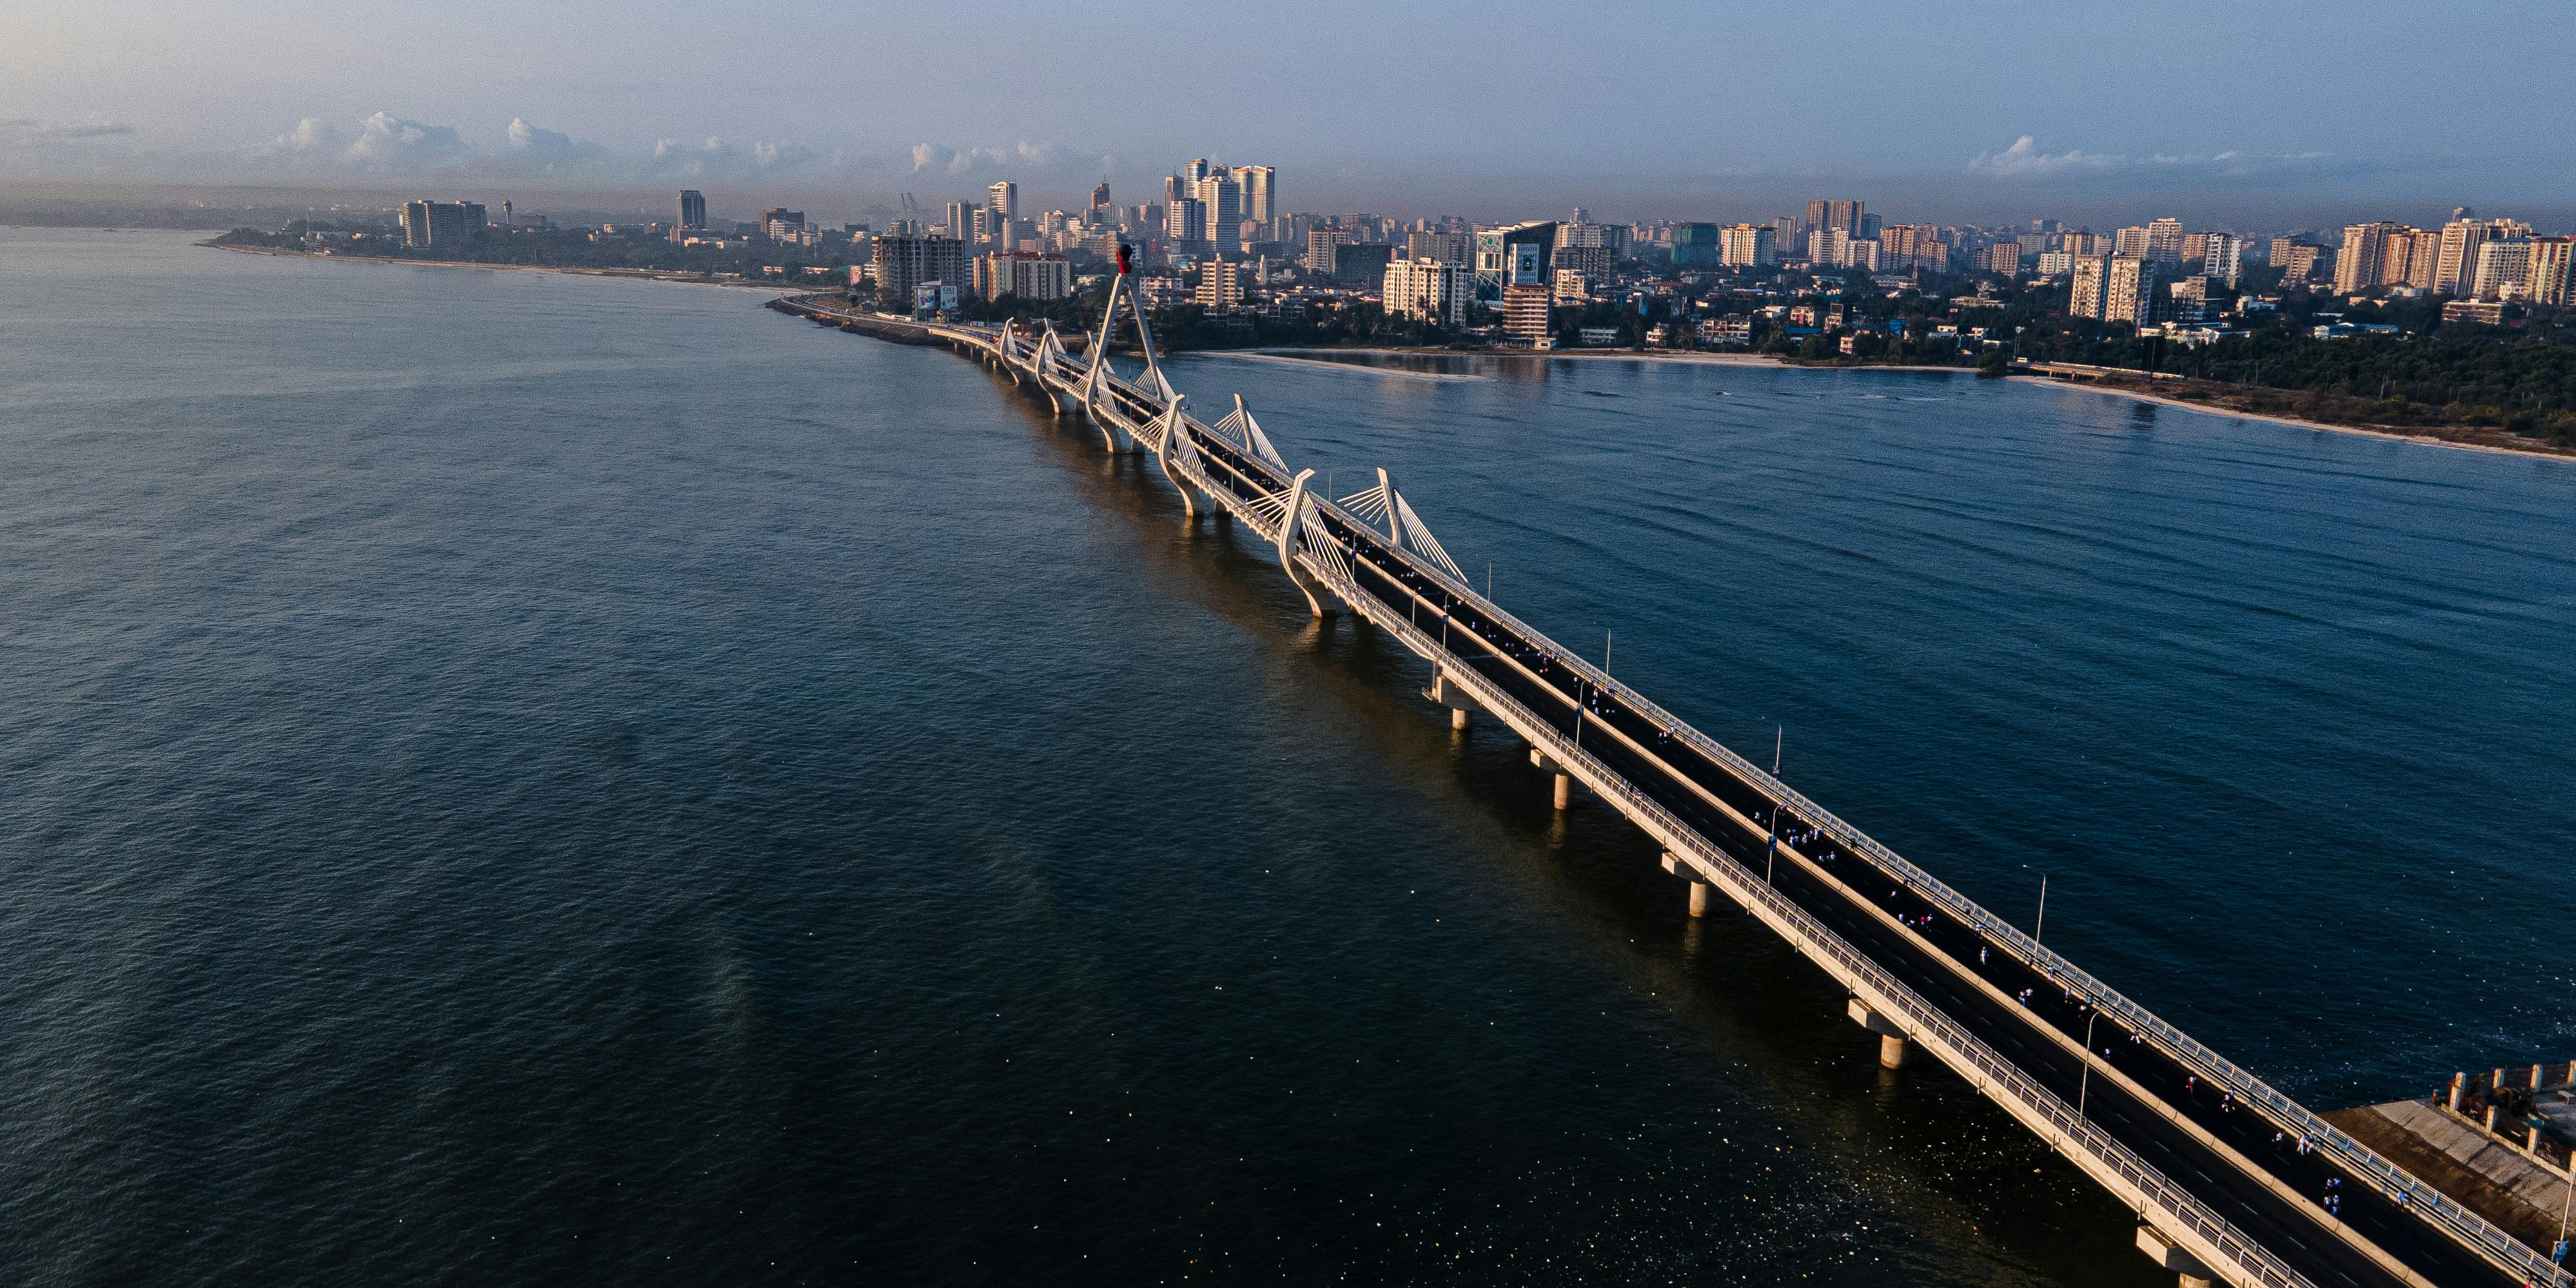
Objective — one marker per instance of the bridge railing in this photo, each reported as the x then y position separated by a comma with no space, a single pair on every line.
2462,1224
1922,1019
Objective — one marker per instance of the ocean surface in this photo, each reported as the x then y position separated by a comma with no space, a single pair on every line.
513,779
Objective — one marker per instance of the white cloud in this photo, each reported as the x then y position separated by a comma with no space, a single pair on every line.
1023,157
2025,158
389,142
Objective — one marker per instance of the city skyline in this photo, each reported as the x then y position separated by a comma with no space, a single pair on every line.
2006,117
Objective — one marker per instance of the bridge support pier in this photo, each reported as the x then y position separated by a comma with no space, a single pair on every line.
1564,783
1699,898
1564,790
1450,696
1458,719
2186,1267
1893,1048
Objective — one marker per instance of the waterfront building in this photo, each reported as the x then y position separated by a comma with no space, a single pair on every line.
693,209
1028,274
902,262
2091,273
1220,285
1513,255
441,223
2129,290
1428,290
1526,315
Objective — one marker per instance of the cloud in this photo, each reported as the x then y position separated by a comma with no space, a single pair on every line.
2024,160
717,159
28,133
548,151
389,142
1023,157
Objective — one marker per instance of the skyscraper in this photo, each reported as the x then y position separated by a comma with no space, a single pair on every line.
1223,198
2365,252
1747,246
2456,264
1100,197
1186,220
2090,275
1844,215
1198,170
2129,290
961,221
693,208
1260,192
1005,205
2164,243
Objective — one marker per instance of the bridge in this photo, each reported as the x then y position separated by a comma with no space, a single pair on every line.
2231,1180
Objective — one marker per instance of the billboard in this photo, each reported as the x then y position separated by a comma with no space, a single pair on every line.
947,298
1525,264
925,297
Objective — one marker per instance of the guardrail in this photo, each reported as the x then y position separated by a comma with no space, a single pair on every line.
2467,1227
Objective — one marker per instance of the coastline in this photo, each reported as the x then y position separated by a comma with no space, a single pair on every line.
618,274
2294,422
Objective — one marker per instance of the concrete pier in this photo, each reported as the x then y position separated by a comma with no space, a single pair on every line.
1564,790
1458,719
1699,898
2187,1268
1893,1049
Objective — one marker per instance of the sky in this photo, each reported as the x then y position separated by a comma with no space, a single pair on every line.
2279,114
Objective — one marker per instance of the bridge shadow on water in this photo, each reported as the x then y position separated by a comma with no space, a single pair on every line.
1994,1204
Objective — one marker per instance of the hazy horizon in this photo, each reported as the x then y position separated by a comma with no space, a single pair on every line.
2308,115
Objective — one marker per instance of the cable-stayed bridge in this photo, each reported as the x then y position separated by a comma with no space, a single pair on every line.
2231,1180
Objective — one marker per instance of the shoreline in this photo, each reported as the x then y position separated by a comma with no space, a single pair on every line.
2293,422
614,274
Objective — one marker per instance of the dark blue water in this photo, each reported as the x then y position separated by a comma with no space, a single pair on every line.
521,779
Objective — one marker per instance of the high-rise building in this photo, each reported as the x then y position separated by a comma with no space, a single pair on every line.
1220,285
1513,255
2129,241
2129,290
1361,263
2222,256
442,223
2297,260
1100,198
1004,200
2364,254
2090,274
1428,290
1028,274
1186,221
1595,263
2164,243
1526,316
2504,267
778,223
2003,258
905,261
1260,192
962,223
2189,299
1196,170
1321,246
1223,199
2547,270
1446,247
1842,215
1825,245
2423,257
1748,246
693,208
2456,264
1698,246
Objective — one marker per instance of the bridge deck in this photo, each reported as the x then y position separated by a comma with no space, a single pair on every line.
2251,1183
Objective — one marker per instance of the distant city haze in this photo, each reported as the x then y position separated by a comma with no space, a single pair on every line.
2260,115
